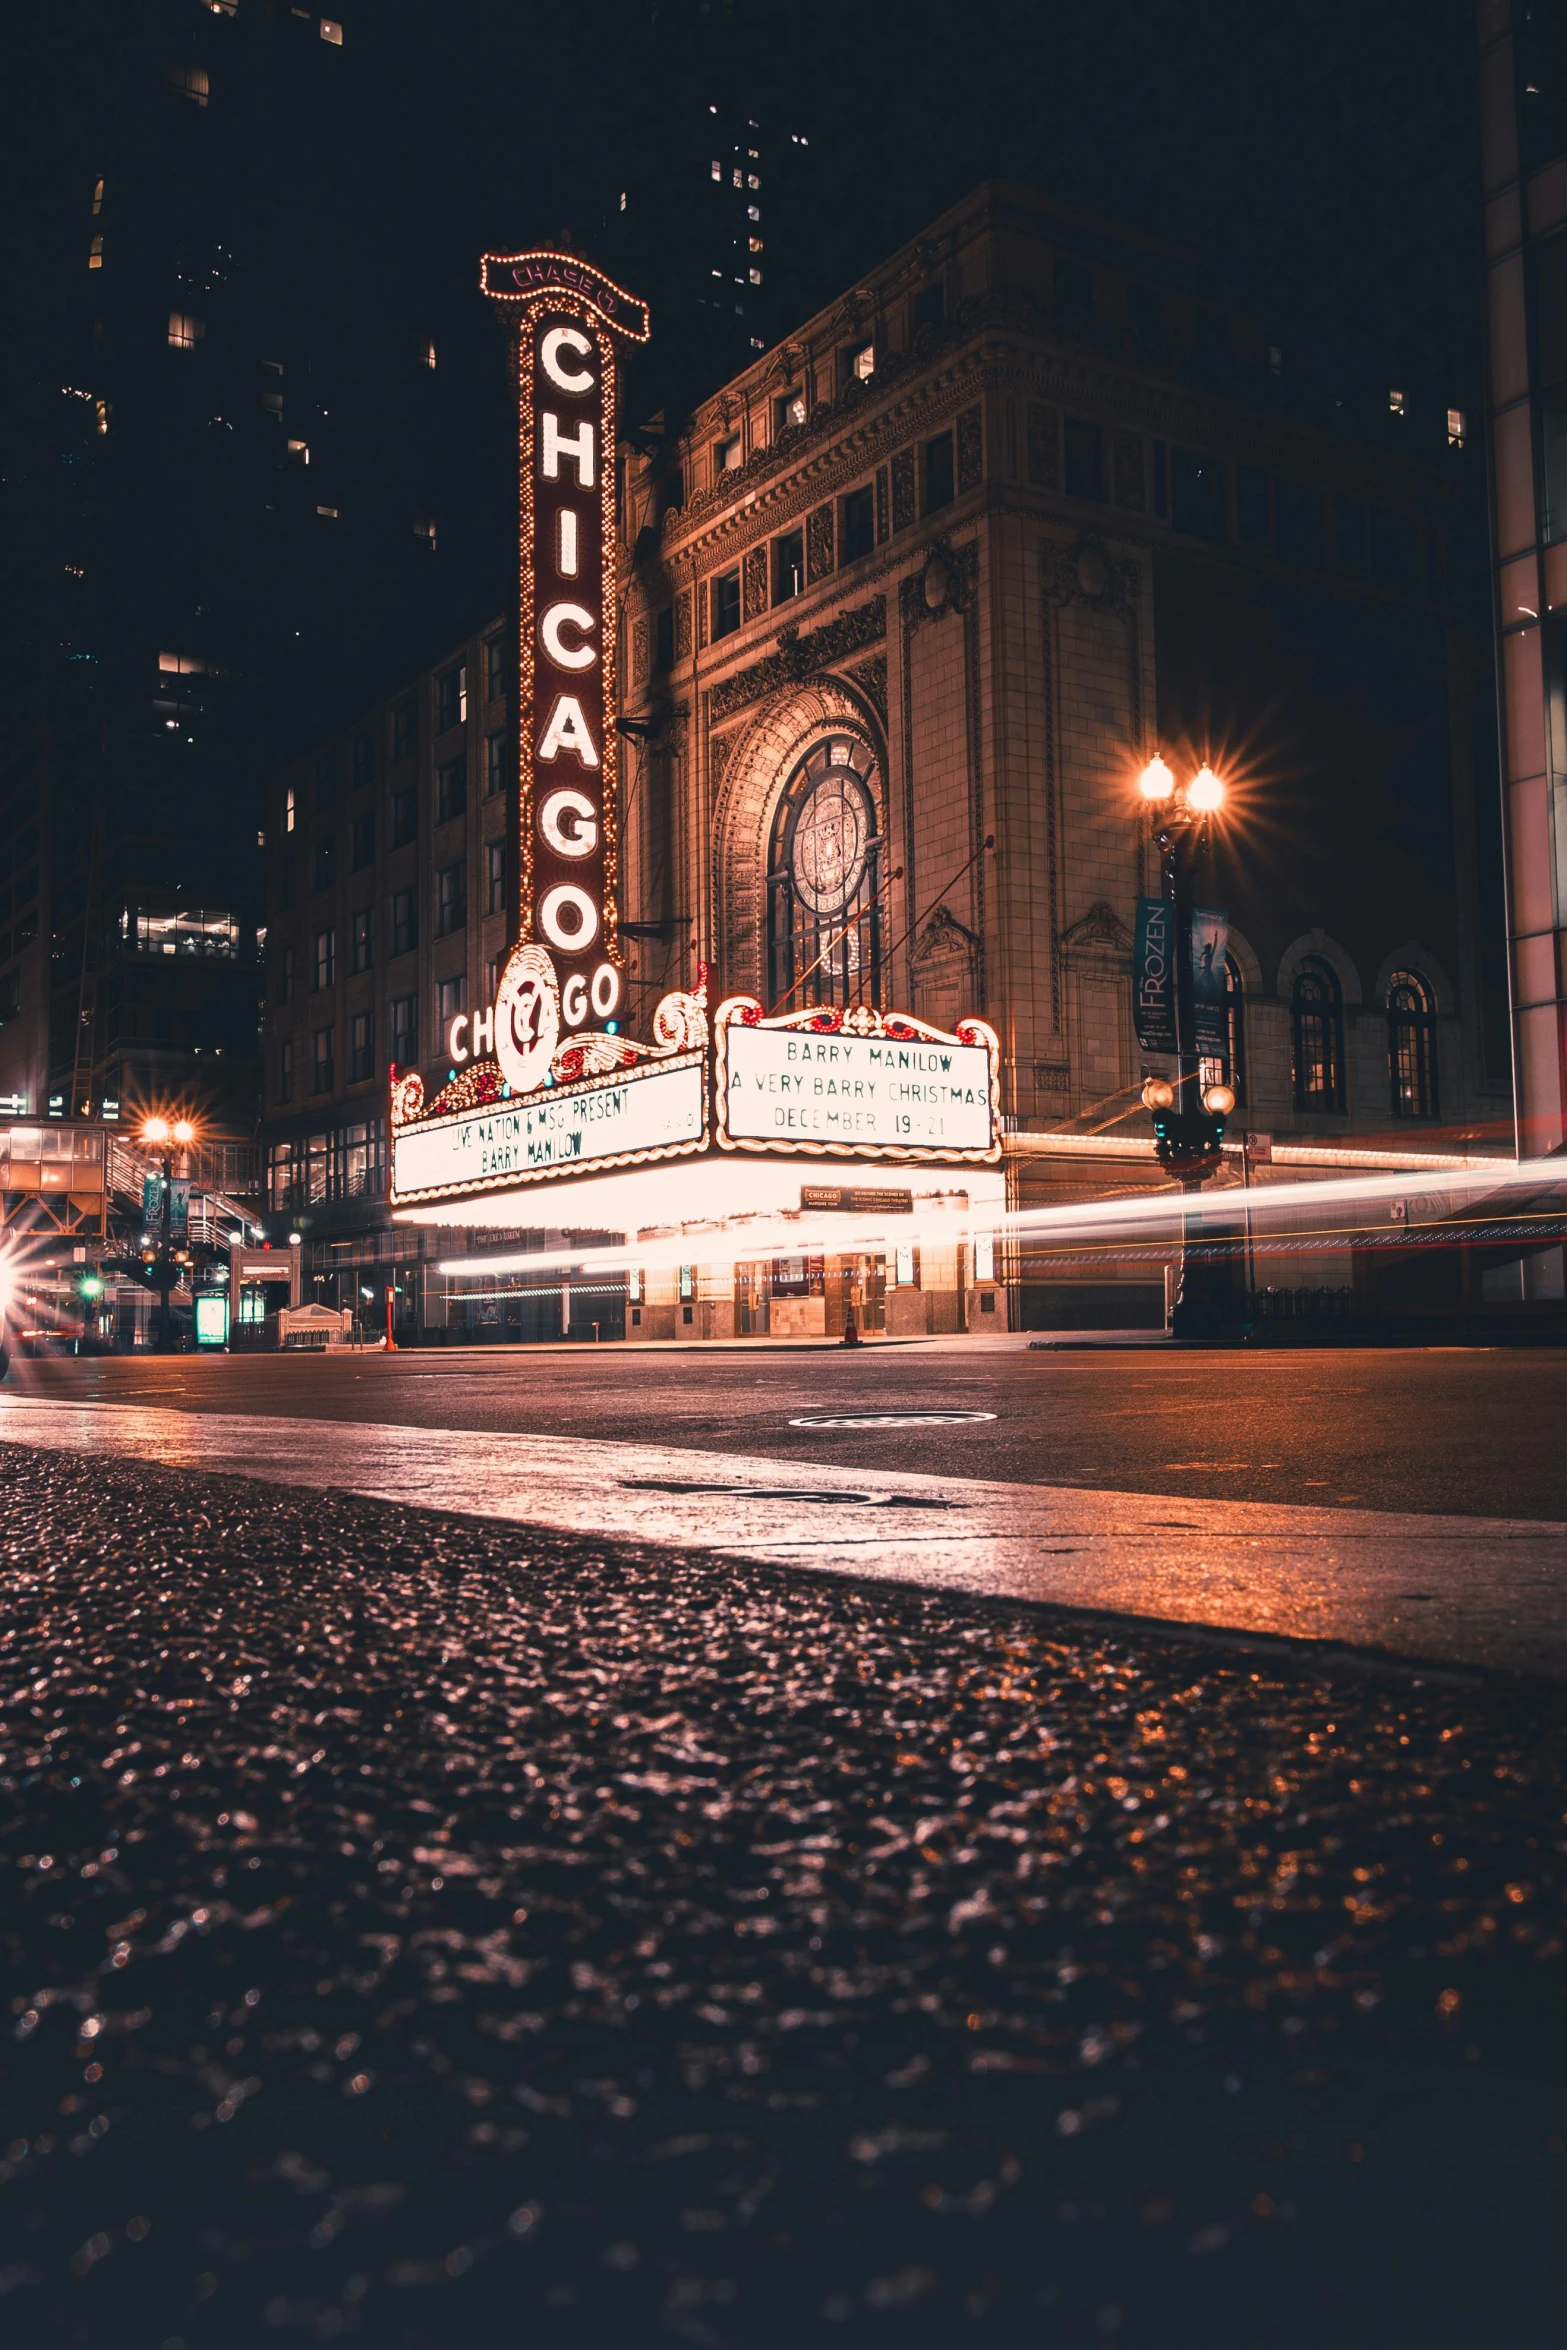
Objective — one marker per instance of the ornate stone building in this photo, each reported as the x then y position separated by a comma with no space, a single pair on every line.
910,602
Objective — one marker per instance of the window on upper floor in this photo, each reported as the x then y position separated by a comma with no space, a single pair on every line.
1317,1036
727,457
188,81
405,921
361,1047
1411,1046
859,523
324,868
405,816
326,958
726,604
929,306
939,477
451,997
362,943
451,790
451,899
1083,459
326,775
186,330
788,565
364,759
285,1070
362,840
788,409
323,1072
403,1030
495,666
451,697
285,976
290,809
494,763
859,363
495,877
405,727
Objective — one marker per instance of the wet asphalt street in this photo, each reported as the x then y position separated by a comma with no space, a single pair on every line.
1472,1431
435,1934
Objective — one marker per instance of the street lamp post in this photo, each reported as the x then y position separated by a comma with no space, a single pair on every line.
1188,1116
166,1272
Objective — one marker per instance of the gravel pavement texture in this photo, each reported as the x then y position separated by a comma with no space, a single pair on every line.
436,1935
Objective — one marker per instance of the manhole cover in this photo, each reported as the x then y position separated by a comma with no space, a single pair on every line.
890,1419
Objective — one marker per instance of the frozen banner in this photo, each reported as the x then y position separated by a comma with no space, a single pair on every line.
1153,1003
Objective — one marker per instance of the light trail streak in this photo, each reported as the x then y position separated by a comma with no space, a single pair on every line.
1148,1217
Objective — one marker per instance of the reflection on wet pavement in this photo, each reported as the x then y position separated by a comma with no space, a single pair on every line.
1498,1586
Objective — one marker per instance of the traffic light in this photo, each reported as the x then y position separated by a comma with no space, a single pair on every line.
89,1286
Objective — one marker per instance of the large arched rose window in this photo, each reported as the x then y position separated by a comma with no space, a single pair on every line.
824,936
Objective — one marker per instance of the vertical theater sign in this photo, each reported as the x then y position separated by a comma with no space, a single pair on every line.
548,1082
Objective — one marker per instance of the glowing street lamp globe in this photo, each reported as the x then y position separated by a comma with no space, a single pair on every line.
1157,780
184,1131
1205,792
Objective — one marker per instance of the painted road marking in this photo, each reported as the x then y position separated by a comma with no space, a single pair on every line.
1498,1585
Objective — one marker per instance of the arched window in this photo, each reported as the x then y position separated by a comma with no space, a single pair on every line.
823,874
1231,1070
1411,1046
1317,1023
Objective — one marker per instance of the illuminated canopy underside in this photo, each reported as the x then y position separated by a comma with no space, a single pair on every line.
690,1191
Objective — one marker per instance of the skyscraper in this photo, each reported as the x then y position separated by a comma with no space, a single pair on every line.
220,487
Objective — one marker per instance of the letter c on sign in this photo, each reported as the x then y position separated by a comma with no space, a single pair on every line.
454,1038
573,808
565,898
574,1000
565,656
566,379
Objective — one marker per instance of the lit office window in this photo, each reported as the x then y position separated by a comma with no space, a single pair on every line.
185,330
1456,428
332,31
97,197
190,81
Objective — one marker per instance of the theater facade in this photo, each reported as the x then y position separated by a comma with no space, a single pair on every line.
805,964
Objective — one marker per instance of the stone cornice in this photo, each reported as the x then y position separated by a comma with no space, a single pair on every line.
798,657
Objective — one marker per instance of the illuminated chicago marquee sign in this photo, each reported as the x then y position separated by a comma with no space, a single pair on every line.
545,1083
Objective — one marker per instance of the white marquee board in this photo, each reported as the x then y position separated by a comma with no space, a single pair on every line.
785,1086
607,1121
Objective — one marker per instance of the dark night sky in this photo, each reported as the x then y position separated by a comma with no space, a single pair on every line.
1324,158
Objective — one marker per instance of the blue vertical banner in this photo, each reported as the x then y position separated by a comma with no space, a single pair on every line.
151,1201
179,1207
1210,940
1153,970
